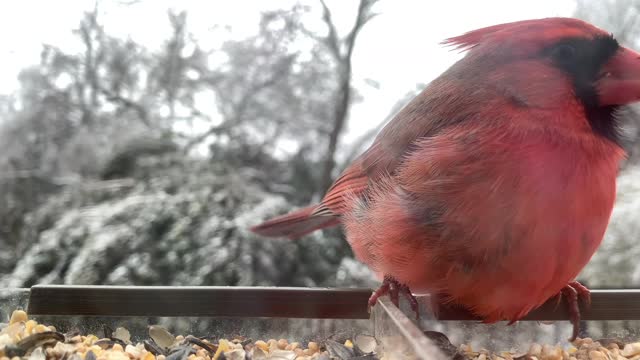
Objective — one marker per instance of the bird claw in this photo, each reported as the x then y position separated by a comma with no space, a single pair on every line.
583,292
573,292
393,288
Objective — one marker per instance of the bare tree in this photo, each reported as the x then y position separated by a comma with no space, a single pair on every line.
342,51
80,115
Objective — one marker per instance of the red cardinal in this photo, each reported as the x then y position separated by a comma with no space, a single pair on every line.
493,187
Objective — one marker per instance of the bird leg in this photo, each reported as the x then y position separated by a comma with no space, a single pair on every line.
393,288
573,292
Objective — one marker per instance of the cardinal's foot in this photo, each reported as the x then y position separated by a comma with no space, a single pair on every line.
393,288
573,292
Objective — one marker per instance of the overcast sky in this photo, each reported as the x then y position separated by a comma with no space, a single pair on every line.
397,49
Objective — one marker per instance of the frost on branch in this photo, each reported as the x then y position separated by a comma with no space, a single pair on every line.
177,223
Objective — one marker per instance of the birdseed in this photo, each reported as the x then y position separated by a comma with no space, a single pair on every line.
23,338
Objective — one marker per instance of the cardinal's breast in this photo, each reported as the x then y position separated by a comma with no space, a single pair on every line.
499,224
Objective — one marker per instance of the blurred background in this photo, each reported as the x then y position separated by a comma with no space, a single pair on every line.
140,139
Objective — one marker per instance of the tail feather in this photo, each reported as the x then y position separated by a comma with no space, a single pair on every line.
295,224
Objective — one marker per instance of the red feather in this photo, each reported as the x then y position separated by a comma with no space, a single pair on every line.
295,224
494,186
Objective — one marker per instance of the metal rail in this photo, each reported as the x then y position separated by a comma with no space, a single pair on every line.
321,303
317,303
605,305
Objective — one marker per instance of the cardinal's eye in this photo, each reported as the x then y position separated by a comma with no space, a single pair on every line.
564,53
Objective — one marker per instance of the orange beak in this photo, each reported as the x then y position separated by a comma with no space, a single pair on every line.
619,82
